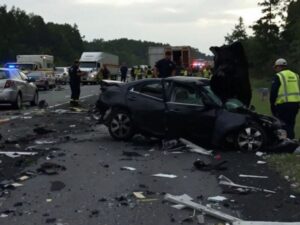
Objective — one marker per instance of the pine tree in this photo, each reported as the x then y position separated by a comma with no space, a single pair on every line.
238,33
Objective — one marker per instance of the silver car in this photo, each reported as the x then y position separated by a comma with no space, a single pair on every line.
16,88
42,79
61,75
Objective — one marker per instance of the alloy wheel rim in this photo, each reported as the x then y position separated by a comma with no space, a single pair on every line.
120,125
250,139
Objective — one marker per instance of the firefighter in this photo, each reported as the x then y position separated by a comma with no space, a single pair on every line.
285,96
149,72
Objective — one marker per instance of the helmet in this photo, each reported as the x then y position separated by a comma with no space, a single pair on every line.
280,62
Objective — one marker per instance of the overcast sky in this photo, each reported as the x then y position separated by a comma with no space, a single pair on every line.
198,23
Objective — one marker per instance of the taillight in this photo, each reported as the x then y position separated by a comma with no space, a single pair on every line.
9,84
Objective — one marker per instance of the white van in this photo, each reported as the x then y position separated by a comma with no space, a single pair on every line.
92,62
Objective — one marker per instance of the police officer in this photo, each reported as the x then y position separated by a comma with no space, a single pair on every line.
75,73
285,96
165,67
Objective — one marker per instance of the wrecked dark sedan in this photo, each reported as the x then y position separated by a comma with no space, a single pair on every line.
184,107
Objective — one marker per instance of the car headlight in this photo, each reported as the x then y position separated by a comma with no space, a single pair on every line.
281,134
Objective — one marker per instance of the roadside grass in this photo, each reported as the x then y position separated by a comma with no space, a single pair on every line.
285,164
288,165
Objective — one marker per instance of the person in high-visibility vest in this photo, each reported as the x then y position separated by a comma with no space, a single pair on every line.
285,96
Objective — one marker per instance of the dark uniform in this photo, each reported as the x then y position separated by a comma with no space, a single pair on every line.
74,73
165,68
124,70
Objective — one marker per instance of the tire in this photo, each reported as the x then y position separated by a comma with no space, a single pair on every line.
35,100
251,138
17,104
120,126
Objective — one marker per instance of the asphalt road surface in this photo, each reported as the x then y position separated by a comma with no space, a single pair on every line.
54,97
83,183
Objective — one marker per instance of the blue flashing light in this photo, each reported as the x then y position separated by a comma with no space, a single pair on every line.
11,66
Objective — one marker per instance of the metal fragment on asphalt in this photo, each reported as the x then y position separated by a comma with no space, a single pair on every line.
17,154
261,162
253,176
195,148
128,168
164,175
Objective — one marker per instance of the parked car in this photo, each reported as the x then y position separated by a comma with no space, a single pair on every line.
61,75
42,79
16,88
184,107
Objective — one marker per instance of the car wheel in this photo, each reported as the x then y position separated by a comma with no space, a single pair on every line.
17,104
251,138
35,100
120,126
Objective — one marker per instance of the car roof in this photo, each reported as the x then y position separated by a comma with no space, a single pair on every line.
181,79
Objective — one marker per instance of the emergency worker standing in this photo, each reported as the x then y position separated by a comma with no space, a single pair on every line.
165,67
285,96
123,70
75,73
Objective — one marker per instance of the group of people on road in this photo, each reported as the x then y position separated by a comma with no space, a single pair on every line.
284,96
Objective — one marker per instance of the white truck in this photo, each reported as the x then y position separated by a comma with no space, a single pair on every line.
92,62
28,63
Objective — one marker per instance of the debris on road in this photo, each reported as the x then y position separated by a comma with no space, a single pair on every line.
224,181
17,154
253,176
45,142
139,195
43,104
48,168
128,168
164,175
195,148
217,199
200,165
259,154
261,162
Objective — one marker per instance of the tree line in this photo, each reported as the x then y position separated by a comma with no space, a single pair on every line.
24,33
275,35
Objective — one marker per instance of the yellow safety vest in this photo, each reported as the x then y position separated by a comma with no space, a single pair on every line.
289,90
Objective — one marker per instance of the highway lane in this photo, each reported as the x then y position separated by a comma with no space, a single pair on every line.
54,97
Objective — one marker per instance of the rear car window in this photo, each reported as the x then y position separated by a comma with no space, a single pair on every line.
4,75
152,89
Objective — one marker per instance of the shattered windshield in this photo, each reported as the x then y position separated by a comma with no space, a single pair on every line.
212,96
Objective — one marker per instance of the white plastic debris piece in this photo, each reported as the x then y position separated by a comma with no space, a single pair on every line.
48,200
292,196
253,176
72,126
259,154
128,168
261,162
217,199
17,154
61,111
23,178
139,195
225,181
178,206
195,148
164,175
27,117
17,185
3,215
44,142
